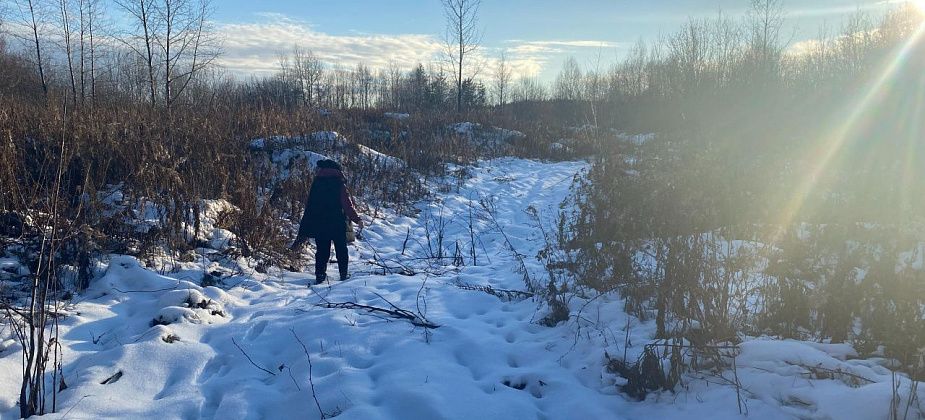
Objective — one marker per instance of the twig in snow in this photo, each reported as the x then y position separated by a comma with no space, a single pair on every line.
489,208
404,245
249,358
503,294
74,406
417,303
738,386
396,312
401,269
310,380
294,382
148,291
820,372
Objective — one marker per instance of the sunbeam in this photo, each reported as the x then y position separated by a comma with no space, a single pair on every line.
834,142
919,4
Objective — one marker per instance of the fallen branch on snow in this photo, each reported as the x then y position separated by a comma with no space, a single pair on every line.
819,372
503,294
394,312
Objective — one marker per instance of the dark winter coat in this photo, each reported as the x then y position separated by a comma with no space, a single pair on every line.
328,206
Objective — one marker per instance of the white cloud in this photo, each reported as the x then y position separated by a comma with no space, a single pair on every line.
254,48
812,45
529,58
805,47
845,10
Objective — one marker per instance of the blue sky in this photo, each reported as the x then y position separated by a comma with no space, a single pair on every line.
538,34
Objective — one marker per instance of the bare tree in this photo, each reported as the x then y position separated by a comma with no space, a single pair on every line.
391,85
765,20
629,77
502,79
462,37
68,50
31,15
142,14
174,40
529,89
82,47
726,41
689,53
364,78
569,81
186,44
307,71
90,14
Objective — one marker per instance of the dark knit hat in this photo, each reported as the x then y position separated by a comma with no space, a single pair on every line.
328,164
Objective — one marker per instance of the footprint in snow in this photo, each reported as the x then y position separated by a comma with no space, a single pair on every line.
255,331
529,384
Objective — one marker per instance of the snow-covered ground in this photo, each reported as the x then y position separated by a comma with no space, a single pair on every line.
144,345
285,152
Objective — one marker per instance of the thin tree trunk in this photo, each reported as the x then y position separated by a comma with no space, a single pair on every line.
168,73
38,50
67,50
92,54
459,75
83,72
148,47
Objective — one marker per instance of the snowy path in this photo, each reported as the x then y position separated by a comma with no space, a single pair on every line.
487,359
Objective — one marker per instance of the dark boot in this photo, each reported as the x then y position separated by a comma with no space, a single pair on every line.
344,276
320,278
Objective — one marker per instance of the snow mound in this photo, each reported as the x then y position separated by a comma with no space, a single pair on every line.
210,212
795,357
397,115
174,314
332,140
559,147
584,129
486,136
142,215
193,298
258,144
288,154
126,274
819,378
12,267
380,159
289,158
465,128
7,343
163,299
636,139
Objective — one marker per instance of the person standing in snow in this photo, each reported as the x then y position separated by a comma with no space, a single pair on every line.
327,210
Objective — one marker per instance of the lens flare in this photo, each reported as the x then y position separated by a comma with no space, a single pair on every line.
832,143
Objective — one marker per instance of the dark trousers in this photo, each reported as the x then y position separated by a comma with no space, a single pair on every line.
323,254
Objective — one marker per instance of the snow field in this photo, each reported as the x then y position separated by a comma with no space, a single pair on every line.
143,345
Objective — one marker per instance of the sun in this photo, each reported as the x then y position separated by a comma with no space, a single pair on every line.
919,4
